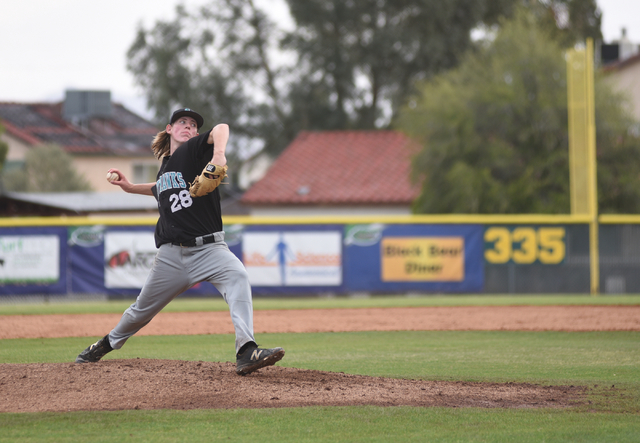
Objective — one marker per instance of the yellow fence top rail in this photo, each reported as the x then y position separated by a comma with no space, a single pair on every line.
396,219
620,219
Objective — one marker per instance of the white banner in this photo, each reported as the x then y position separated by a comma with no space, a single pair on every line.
310,258
128,257
29,259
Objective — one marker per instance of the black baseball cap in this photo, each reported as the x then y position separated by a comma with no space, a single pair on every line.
188,113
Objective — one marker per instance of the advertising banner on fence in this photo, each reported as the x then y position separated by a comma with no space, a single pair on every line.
407,257
422,259
128,257
280,259
115,260
29,259
33,260
287,258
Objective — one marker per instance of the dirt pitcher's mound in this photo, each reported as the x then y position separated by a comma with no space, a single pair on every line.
170,384
155,384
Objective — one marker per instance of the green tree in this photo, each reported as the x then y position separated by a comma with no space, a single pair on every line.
216,60
494,131
346,65
47,169
569,21
350,64
360,59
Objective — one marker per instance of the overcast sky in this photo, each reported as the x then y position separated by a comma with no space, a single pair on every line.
49,46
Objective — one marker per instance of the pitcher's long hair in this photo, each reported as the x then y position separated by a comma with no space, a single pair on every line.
161,144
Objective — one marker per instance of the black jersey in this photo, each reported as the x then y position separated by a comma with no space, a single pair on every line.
183,217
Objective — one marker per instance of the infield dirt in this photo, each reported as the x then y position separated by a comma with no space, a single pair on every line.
170,384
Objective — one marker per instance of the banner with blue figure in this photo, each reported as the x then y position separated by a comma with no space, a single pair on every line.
293,259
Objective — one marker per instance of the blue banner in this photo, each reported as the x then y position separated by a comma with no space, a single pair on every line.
422,258
280,259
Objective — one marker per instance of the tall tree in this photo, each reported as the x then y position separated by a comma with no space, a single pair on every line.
494,132
216,60
350,64
569,21
346,65
47,169
359,59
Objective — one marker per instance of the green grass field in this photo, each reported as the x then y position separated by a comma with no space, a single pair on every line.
606,362
217,304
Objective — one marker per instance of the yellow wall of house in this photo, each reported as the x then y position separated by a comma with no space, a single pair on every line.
627,81
95,169
17,148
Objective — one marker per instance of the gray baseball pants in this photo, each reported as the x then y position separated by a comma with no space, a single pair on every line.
176,269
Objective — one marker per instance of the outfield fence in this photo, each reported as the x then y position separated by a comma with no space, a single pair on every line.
111,257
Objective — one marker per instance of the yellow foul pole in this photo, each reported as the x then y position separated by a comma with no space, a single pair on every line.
582,148
593,173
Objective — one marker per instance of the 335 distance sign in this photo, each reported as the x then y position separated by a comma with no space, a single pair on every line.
525,245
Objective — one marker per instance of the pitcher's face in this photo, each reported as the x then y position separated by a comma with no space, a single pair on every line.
183,129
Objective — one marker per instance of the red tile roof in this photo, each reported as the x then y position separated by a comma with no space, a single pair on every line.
339,168
124,133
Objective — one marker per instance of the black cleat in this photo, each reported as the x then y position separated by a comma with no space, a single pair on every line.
96,351
255,358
